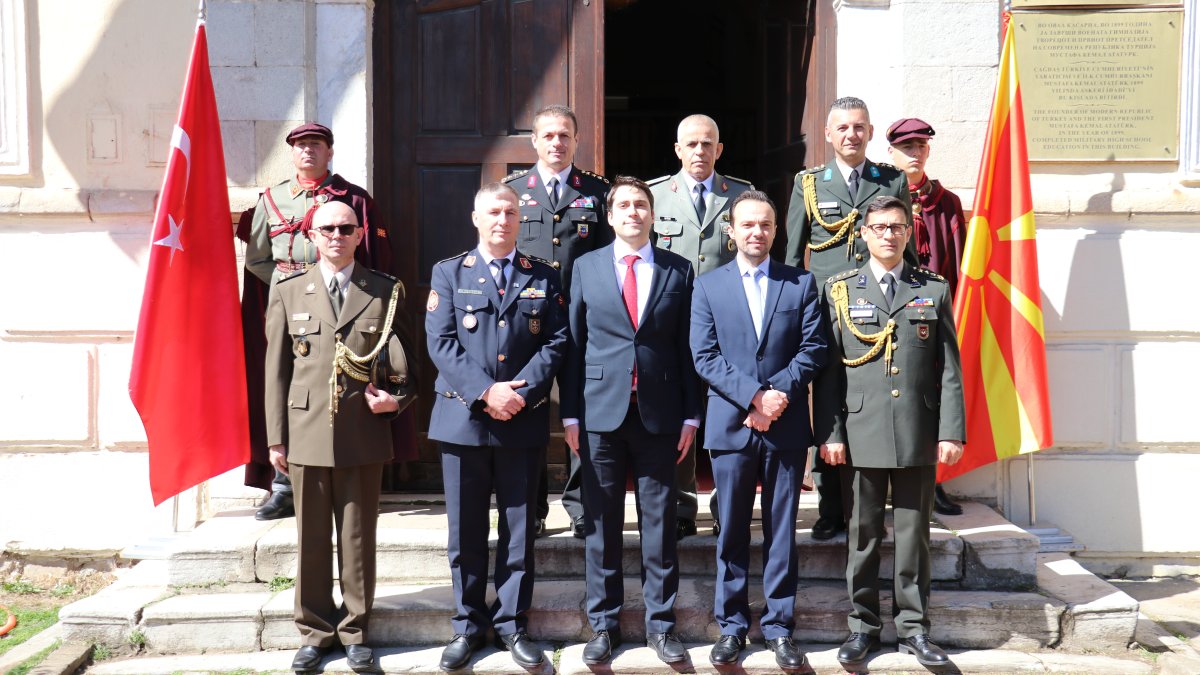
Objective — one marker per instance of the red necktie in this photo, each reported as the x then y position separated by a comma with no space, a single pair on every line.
629,292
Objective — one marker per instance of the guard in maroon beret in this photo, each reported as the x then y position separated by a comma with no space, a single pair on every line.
277,245
939,227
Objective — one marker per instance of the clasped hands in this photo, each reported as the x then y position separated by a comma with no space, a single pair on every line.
502,401
765,408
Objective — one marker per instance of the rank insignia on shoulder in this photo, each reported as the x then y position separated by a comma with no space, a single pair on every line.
828,175
874,171
532,182
362,283
575,182
862,281
931,274
724,186
525,264
469,261
921,302
532,294
432,303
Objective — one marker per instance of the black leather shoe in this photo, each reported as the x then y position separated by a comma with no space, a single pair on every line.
525,652
826,528
599,649
360,658
726,650
856,649
787,655
667,646
539,528
942,503
716,528
927,653
308,658
578,528
458,652
278,506
684,528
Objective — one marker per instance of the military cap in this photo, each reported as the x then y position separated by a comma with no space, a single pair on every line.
909,127
310,129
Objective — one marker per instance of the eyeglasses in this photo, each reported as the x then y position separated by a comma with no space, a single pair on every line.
879,229
344,230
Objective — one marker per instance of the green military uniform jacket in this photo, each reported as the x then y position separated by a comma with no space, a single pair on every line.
677,228
831,203
302,333
890,414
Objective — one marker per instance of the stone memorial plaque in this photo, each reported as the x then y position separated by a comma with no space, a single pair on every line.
1100,85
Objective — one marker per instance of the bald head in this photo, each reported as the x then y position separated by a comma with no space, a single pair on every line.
336,234
698,146
334,213
697,121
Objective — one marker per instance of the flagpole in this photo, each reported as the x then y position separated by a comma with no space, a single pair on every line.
202,13
1032,499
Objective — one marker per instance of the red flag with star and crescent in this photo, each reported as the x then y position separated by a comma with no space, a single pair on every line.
998,306
188,378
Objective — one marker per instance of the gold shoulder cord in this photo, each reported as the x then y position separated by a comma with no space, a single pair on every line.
881,340
358,367
837,230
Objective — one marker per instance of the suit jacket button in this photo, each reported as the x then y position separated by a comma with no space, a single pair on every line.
895,370
556,241
556,264
340,389
337,336
701,257
500,357
557,217
502,323
895,393
760,357
858,256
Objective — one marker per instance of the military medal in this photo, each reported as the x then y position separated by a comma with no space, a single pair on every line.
531,202
302,347
526,196
916,208
469,321
923,331
665,242
432,303
535,325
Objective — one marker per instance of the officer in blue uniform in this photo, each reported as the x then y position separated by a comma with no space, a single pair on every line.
496,328
562,217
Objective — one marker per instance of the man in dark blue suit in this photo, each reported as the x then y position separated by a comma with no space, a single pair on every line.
757,339
497,332
630,401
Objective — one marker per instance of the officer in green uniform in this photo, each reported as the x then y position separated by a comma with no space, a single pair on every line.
691,217
823,219
889,406
562,217
278,245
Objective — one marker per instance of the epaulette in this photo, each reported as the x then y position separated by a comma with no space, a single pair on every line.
513,176
841,275
594,175
385,275
291,275
658,180
536,259
735,179
456,256
886,165
931,274
811,169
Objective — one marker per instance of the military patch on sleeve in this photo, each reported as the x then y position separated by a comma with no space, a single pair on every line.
432,303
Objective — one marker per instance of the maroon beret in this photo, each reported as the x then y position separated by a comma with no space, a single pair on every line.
310,129
909,127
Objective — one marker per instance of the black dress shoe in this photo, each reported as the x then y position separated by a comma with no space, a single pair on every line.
667,646
856,649
599,649
539,528
942,503
579,528
308,658
726,650
716,528
525,652
458,652
826,528
684,528
787,655
927,653
278,506
360,658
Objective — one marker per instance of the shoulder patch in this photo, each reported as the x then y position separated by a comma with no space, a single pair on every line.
291,275
536,260
658,180
930,274
735,179
594,175
841,275
453,257
385,275
514,175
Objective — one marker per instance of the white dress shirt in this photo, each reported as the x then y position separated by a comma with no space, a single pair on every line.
845,171
879,270
342,276
756,305
487,260
708,188
547,175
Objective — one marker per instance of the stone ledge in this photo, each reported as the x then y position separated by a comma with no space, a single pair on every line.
1098,615
996,553
206,622
109,616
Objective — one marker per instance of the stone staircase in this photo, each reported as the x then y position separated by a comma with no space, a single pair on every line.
992,591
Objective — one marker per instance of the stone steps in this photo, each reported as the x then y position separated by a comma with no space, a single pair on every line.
633,660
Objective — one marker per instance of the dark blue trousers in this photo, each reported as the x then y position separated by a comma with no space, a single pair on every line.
736,474
605,460
471,474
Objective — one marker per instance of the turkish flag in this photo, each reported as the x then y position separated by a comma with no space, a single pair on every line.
188,380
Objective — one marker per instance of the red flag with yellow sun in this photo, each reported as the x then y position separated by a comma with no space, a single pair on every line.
997,306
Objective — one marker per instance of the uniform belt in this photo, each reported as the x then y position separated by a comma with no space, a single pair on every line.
288,267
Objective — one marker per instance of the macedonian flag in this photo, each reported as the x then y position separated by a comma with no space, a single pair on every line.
997,307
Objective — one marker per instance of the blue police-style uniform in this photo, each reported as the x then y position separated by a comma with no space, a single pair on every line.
477,337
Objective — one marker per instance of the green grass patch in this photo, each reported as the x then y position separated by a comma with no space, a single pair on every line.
281,584
101,653
20,587
30,622
34,661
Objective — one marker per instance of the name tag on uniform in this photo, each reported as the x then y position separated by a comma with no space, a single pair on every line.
827,205
532,293
470,291
302,316
862,311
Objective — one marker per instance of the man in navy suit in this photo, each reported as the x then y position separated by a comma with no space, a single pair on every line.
496,328
758,341
630,401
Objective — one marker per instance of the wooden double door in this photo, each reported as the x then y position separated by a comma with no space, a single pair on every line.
456,83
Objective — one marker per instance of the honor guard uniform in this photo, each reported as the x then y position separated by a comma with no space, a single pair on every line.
677,220
560,230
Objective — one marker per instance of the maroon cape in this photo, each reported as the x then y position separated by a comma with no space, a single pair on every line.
940,229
